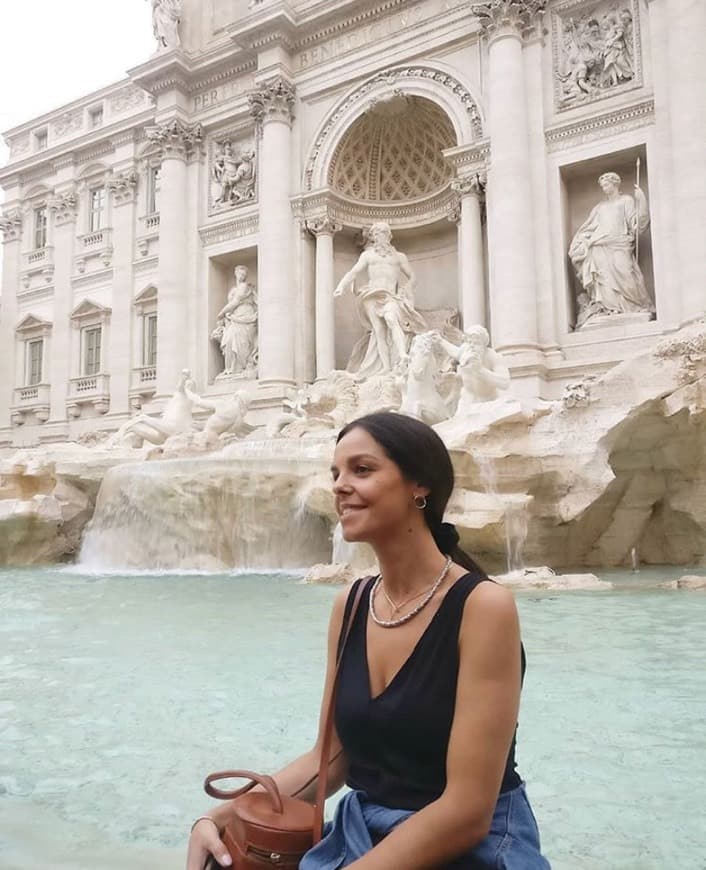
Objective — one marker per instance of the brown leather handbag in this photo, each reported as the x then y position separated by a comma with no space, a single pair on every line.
268,829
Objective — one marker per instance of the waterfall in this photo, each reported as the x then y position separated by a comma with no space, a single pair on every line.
240,509
515,512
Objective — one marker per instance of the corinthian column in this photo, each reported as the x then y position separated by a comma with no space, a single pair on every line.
324,229
470,244
513,297
176,141
271,106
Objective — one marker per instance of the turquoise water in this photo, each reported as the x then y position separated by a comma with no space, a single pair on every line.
118,693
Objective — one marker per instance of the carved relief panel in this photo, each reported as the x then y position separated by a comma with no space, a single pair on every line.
232,169
596,48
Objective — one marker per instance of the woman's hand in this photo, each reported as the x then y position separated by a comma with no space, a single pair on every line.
205,842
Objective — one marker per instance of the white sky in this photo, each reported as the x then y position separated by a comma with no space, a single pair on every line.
54,51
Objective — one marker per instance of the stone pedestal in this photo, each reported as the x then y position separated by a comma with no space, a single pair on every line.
470,244
177,142
324,230
271,107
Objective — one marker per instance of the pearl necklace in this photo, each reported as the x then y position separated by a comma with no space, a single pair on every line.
401,620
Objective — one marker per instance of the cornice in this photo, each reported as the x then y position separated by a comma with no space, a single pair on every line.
246,225
164,71
275,24
599,126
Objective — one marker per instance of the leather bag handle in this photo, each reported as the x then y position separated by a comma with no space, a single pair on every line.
263,779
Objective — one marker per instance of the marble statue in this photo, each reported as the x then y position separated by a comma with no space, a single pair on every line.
421,398
603,254
236,327
166,16
386,305
227,417
174,419
234,176
483,373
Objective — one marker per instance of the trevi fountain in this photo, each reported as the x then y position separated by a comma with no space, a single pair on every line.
488,216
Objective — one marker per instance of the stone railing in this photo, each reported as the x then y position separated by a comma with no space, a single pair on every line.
150,223
88,390
98,239
39,259
143,382
28,401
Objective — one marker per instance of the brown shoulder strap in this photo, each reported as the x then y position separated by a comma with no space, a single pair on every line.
328,721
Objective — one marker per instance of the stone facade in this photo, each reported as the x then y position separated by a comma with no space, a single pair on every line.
270,134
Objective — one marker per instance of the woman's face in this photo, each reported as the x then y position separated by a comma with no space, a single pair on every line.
373,499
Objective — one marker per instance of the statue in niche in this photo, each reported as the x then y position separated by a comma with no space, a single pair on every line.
603,254
234,176
385,303
236,327
596,54
175,419
166,17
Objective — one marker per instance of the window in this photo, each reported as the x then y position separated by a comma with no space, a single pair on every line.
41,138
92,350
35,355
40,227
96,205
95,116
153,190
149,352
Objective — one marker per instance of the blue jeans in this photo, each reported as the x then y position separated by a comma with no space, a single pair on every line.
511,844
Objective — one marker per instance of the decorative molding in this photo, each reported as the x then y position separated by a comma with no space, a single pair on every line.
596,50
468,159
88,310
351,213
470,185
393,77
243,226
11,225
103,277
69,122
94,152
148,264
34,326
123,186
175,138
508,17
273,101
128,98
64,206
324,225
600,126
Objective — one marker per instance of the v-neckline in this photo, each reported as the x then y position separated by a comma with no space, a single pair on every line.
406,662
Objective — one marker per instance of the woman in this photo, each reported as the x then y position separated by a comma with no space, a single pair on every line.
429,685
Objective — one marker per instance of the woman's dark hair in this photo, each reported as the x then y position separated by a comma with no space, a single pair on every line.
422,457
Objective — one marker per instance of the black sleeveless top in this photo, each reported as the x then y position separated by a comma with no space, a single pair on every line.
396,743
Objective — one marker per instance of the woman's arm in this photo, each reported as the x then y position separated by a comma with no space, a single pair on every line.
487,702
298,778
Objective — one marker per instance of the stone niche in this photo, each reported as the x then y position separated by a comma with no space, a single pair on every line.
433,255
581,193
220,280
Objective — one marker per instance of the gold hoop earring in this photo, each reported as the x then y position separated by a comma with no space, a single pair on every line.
420,505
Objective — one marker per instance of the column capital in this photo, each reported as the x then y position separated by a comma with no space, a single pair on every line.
273,101
11,225
175,138
123,186
508,17
324,225
65,207
470,185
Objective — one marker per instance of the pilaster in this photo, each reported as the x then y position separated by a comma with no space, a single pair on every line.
178,142
11,228
272,108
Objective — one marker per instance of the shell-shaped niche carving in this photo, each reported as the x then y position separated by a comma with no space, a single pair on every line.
393,152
